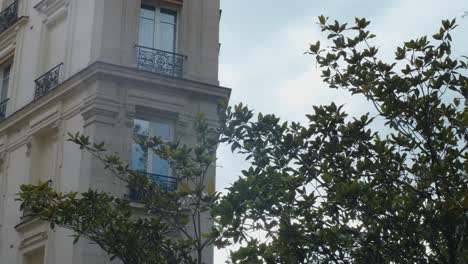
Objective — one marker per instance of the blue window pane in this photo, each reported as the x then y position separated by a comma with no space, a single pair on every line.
139,158
160,166
141,127
162,130
148,12
140,155
161,169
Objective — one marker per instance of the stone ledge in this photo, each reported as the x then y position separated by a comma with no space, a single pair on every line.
105,71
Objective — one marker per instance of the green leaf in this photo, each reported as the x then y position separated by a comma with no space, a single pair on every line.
315,48
322,20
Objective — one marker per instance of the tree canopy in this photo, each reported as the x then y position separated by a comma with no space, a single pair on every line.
336,190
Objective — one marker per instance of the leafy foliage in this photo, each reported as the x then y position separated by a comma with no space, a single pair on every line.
335,190
165,227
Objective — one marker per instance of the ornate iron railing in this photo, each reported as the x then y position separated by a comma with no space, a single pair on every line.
3,108
160,61
48,81
8,16
168,184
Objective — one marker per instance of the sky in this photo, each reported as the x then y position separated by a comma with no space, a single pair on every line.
262,55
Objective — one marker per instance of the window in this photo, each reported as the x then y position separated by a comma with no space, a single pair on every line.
5,81
157,28
44,151
146,161
5,70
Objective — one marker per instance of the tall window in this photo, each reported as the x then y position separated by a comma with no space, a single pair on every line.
5,70
144,160
158,28
5,81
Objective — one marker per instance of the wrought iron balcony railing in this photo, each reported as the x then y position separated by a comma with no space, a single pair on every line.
8,16
3,108
160,61
48,81
168,184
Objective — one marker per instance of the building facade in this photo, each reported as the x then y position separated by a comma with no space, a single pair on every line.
98,67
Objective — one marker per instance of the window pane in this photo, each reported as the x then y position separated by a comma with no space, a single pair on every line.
167,37
168,16
5,83
162,130
148,12
140,155
160,166
141,127
139,158
146,34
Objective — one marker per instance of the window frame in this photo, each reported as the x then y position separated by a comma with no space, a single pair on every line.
158,8
4,93
149,154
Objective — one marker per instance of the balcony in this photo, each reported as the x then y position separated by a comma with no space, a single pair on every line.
159,61
168,184
8,16
48,81
3,108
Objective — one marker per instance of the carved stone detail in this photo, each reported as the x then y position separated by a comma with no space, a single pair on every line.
48,7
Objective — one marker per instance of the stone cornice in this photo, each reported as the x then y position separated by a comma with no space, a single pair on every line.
126,74
105,71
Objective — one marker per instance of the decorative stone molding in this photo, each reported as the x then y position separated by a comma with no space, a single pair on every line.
28,147
100,110
49,118
2,163
184,121
130,116
33,232
49,7
33,240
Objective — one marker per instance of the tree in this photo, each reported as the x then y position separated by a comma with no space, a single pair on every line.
170,228
337,191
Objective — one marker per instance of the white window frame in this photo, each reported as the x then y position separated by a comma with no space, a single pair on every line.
150,155
4,91
157,26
